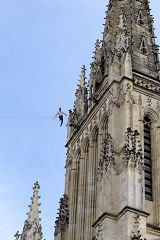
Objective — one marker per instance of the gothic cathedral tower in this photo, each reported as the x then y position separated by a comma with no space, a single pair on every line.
112,187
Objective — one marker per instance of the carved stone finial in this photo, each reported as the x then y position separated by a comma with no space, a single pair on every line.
17,235
83,77
97,53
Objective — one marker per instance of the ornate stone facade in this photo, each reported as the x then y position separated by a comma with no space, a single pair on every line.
113,160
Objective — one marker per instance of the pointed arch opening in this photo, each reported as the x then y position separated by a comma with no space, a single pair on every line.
147,158
104,126
140,20
143,47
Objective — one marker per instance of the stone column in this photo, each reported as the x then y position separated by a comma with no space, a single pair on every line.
91,198
82,194
90,97
73,198
155,148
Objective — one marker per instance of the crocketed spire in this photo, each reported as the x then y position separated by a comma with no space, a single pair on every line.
32,228
129,29
34,207
96,72
81,102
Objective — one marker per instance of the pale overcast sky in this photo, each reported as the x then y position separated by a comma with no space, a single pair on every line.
43,44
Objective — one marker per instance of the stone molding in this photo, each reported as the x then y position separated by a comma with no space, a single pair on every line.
116,217
153,229
149,86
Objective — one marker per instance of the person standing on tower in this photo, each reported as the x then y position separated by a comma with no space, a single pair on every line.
60,114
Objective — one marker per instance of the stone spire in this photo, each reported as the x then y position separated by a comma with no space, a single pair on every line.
96,71
83,78
34,207
129,33
81,102
32,228
97,56
80,105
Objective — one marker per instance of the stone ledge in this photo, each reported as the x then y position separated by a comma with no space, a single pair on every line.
116,217
153,229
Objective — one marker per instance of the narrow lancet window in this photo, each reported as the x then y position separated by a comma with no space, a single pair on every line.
147,158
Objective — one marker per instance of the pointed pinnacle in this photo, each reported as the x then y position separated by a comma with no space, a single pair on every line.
17,235
97,53
83,77
34,206
36,186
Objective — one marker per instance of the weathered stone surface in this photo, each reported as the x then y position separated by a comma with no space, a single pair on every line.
109,155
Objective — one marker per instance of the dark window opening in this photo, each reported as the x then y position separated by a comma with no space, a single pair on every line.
143,47
140,19
147,158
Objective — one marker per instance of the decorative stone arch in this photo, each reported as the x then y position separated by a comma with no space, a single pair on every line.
149,112
155,153
104,125
94,133
150,119
77,155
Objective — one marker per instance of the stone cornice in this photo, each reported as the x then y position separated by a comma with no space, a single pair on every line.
91,114
145,76
146,83
146,92
116,217
153,229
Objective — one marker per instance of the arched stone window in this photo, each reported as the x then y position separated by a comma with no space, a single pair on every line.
147,158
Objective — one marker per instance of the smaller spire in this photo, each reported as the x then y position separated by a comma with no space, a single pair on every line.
81,101
34,207
83,77
96,72
32,228
97,53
